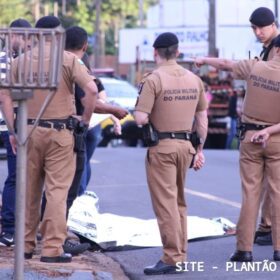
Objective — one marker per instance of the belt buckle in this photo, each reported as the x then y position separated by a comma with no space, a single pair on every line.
187,136
58,126
50,123
172,134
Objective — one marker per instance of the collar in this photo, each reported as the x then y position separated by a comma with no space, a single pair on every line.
168,62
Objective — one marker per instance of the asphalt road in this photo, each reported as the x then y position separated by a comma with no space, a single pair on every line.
118,178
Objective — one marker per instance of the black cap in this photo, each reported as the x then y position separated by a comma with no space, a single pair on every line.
165,40
48,22
262,17
20,23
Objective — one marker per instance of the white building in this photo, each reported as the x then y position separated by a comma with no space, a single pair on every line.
189,20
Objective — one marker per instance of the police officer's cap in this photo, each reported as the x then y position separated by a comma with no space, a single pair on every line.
20,23
262,16
48,22
165,40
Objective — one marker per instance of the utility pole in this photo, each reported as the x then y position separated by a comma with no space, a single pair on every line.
37,9
161,13
141,17
212,51
63,7
97,41
55,9
276,11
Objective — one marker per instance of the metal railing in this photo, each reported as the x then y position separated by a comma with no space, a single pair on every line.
37,66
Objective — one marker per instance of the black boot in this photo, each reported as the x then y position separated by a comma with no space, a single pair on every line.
160,268
276,256
63,258
241,256
263,238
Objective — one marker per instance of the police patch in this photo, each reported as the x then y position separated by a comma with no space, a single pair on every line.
140,87
81,62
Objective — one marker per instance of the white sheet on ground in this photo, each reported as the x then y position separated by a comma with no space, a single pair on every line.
85,219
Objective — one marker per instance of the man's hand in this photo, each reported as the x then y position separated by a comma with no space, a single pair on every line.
260,137
117,128
13,143
199,160
120,113
199,61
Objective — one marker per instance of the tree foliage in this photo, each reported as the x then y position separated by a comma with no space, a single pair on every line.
13,9
115,14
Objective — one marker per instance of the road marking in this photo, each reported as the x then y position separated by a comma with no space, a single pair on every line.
94,161
189,191
214,198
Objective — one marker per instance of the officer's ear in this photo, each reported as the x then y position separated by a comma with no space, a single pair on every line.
155,54
85,46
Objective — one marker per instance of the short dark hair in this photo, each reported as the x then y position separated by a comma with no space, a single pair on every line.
168,53
76,37
48,22
20,22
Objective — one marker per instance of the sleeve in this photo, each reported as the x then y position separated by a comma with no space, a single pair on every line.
202,101
99,84
147,94
3,65
243,68
80,73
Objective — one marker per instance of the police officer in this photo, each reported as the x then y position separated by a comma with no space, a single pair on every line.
171,97
260,111
50,155
265,28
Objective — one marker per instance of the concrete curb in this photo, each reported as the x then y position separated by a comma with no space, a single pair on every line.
60,274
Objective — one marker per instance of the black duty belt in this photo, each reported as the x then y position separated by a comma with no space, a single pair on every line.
51,123
251,126
175,135
243,127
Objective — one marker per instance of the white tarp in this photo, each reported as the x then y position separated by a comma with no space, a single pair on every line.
85,220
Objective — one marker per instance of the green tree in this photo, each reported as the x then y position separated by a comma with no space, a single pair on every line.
13,9
115,14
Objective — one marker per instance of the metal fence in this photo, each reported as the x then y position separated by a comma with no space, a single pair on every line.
37,66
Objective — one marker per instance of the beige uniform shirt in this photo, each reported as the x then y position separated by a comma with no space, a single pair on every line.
63,102
261,103
171,95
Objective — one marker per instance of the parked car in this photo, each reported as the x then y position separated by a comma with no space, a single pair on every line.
122,93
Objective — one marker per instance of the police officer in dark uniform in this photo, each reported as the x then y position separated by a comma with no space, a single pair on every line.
171,97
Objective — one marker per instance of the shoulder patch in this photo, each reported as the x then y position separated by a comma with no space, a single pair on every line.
81,62
141,84
140,87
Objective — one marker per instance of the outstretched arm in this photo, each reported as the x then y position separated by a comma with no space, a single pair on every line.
219,63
